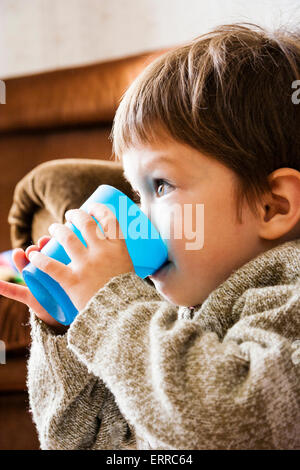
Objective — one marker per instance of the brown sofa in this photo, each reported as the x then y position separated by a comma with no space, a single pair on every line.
51,116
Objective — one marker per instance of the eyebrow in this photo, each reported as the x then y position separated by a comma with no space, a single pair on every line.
153,163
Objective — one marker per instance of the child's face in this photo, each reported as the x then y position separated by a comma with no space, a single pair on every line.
195,180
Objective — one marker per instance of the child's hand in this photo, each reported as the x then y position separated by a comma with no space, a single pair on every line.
22,293
90,268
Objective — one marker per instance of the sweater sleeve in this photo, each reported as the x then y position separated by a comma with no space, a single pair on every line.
180,384
71,407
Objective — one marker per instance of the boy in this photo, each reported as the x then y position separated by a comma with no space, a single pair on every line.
213,123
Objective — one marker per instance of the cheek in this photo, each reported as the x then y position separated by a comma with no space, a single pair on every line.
187,261
219,217
160,215
208,231
181,225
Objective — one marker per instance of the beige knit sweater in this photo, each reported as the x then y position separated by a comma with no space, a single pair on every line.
135,371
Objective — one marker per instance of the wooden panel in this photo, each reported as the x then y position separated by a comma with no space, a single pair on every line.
70,96
17,431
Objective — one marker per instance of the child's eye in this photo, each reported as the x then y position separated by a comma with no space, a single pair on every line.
159,183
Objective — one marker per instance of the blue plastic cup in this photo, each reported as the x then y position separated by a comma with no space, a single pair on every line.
146,248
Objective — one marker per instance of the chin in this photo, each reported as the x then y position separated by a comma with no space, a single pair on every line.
165,285
169,296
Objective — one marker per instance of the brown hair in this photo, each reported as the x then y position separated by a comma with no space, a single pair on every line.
228,94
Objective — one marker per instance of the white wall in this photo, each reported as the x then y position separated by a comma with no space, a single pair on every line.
37,35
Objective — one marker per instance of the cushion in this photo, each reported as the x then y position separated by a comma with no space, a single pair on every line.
49,190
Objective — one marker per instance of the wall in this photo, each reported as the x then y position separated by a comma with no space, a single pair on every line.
37,35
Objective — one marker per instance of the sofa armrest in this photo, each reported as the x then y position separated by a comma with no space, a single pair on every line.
49,190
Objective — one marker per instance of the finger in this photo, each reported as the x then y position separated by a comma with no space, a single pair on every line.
107,219
40,245
23,294
67,238
88,227
43,241
31,248
19,258
59,271
15,292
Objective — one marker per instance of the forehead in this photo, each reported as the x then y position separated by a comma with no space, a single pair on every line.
170,155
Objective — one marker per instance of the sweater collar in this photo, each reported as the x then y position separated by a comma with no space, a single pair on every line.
278,266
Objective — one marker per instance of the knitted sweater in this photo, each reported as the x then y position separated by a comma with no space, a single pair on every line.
134,371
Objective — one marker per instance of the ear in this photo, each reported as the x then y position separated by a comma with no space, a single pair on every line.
280,213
